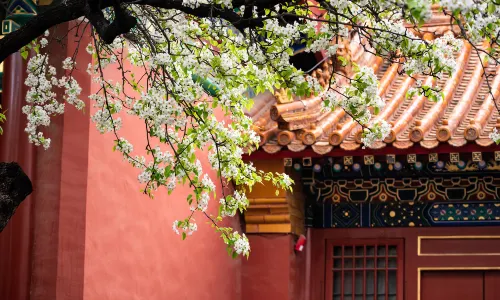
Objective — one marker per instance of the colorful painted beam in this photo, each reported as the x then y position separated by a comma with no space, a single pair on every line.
19,12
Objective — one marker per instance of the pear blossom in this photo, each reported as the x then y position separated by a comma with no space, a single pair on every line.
186,78
241,245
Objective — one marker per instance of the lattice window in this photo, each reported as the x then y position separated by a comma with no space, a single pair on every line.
364,270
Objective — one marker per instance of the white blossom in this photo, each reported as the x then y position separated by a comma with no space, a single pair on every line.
68,63
495,136
43,42
189,70
175,227
377,132
241,245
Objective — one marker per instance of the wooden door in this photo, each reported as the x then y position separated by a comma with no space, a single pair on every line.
458,285
452,285
492,285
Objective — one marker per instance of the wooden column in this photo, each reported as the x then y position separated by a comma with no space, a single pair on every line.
274,270
16,238
275,213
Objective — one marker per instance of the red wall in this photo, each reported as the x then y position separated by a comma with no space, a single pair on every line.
96,237
90,234
274,270
131,251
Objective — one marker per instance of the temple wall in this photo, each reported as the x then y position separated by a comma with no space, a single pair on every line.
274,270
131,251
88,233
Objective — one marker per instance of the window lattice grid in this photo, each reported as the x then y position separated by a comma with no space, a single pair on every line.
364,271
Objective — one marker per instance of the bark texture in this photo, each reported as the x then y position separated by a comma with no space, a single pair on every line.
64,11
15,186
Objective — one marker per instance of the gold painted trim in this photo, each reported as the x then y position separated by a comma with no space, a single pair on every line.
419,275
456,237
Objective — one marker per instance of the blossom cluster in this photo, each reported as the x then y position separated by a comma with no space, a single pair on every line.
376,132
480,19
190,76
232,203
438,57
187,228
42,101
168,106
357,99
495,136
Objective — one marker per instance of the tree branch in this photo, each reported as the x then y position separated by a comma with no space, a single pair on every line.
35,27
69,10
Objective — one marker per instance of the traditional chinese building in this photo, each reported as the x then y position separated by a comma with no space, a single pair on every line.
413,217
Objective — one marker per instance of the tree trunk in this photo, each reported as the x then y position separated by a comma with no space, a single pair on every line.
15,186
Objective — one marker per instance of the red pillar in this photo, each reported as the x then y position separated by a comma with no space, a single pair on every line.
16,238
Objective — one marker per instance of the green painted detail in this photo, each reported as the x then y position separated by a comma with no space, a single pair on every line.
9,26
19,12
211,88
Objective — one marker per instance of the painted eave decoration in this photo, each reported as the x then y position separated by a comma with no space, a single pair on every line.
18,13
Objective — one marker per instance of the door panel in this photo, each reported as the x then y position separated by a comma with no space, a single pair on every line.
492,285
452,285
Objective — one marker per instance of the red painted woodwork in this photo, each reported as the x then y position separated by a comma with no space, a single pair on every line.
460,284
492,285
452,285
416,149
412,261
346,259
15,239
308,267
459,246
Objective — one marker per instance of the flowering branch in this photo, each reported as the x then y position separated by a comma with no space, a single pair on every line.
194,60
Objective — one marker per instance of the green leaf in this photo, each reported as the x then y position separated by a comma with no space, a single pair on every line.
342,60
491,8
24,54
